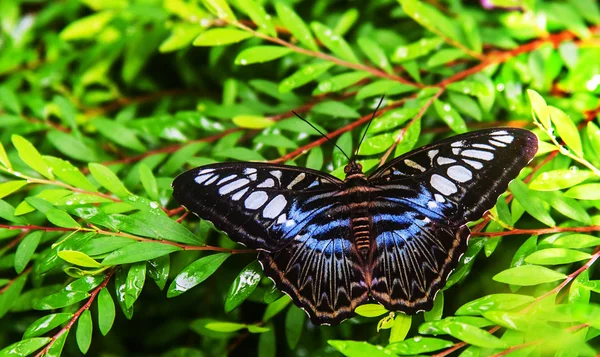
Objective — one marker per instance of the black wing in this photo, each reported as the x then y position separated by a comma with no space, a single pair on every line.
423,201
296,217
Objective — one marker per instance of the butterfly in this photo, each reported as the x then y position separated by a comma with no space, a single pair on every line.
392,237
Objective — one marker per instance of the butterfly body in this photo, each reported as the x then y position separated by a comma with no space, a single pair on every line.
392,237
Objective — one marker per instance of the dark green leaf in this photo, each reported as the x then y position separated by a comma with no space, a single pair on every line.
196,273
243,285
84,331
26,249
25,347
106,311
138,252
294,324
45,324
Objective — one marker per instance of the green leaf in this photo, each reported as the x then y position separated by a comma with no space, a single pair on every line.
559,179
418,345
260,54
306,74
9,100
465,105
84,331
464,332
29,154
315,159
553,256
567,206
590,191
358,349
220,9
540,109
450,116
335,109
339,82
106,311
61,219
25,347
530,202
6,188
225,326
409,138
444,56
371,310
8,213
417,49
56,349
68,173
567,130
294,324
296,25
70,146
383,86
494,302
4,157
196,273
87,27
258,15
108,179
78,258
243,285
239,153
593,135
158,270
334,42
577,241
138,252
267,344
182,36
275,140
10,294
374,53
221,36
401,327
120,282
276,307
136,277
103,245
26,249
252,121
431,18
126,137
148,181
526,275
45,324
60,299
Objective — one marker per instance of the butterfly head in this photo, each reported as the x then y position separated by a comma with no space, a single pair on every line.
354,171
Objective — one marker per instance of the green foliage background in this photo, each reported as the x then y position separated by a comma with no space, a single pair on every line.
104,102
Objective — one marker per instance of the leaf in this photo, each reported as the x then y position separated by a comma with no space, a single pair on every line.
68,145
258,15
276,307
294,324
339,82
450,116
444,56
78,258
577,241
552,256
261,54
45,324
60,299
87,27
358,349
371,310
182,36
221,37
567,130
494,302
56,349
196,273
148,181
61,219
220,9
239,153
526,275
267,344
252,121
401,327
334,42
26,249
304,75
11,293
381,87
168,229
225,326
158,270
84,331
417,49
9,100
530,202
106,311
464,332
466,105
374,53
120,281
4,157
418,345
108,179
430,18
243,285
6,188
25,347
296,25
335,109
559,179
68,173
590,191
138,252
136,277
126,137
29,154
539,107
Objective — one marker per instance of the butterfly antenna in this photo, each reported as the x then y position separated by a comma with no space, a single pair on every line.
320,132
369,124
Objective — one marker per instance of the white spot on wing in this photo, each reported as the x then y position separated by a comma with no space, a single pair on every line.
239,194
253,177
202,178
205,171
456,151
500,132
213,179
232,186
298,178
414,165
432,204
432,153
249,170
484,146
497,143
458,144
439,198
476,164
505,139
256,199
443,185
445,160
459,173
266,183
277,174
225,179
282,219
274,207
478,154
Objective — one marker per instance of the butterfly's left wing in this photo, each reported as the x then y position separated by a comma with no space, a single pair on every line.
423,201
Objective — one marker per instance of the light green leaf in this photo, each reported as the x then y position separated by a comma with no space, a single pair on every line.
464,332
334,42
25,347
148,181
6,188
577,241
221,36
196,273
45,324
108,179
87,27
260,54
532,204
61,218
252,121
70,146
243,285
401,327
339,82
225,326
431,18
590,191
296,25
220,9
29,154
381,87
526,275
84,331
78,258
182,35
258,15
138,252
494,302
450,116
418,345
335,110
553,256
4,158
371,310
539,107
119,133
559,179
566,129
304,75
68,173
358,348
416,49
374,53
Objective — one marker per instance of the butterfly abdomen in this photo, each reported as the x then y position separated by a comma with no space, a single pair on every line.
362,225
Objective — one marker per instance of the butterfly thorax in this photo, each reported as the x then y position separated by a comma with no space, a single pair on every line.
358,200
